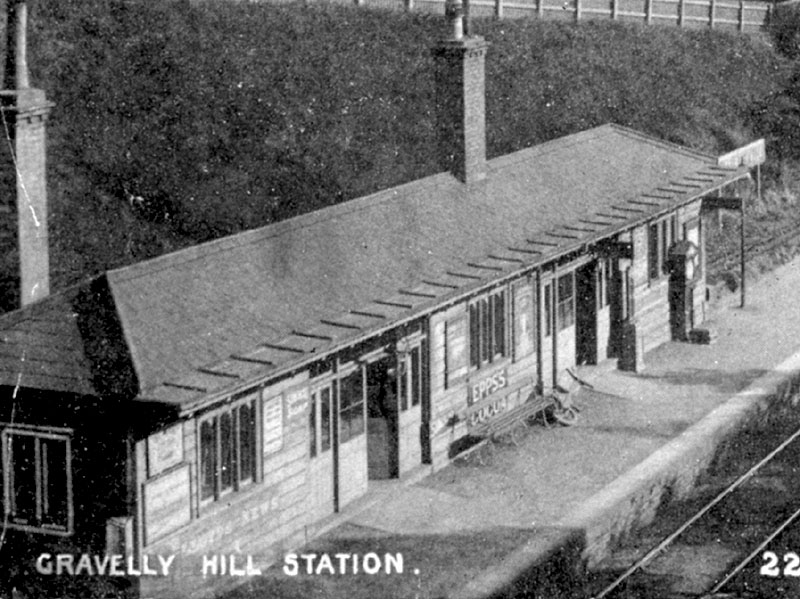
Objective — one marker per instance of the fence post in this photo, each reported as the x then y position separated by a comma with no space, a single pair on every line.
681,12
498,9
648,11
577,10
614,9
409,4
741,15
711,14
540,8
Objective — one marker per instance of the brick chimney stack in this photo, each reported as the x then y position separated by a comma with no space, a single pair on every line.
23,185
460,99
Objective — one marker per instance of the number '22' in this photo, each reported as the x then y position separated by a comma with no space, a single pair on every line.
792,567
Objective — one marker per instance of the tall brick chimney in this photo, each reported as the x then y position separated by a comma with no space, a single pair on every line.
460,99
23,185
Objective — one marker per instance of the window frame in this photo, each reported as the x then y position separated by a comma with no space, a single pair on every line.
39,434
409,375
608,281
653,253
662,233
457,354
547,308
317,445
351,407
488,337
565,306
524,299
214,418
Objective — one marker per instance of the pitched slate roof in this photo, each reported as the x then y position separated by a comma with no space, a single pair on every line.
210,317
70,342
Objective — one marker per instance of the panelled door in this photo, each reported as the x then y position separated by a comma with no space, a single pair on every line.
320,470
586,314
382,412
350,456
411,391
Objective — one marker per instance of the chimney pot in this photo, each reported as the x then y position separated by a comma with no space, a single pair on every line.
16,70
454,11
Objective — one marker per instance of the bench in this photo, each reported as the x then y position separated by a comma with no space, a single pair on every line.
556,405
507,423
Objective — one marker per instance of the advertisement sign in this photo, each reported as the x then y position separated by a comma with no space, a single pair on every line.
456,348
166,503
164,449
486,385
273,424
487,411
296,402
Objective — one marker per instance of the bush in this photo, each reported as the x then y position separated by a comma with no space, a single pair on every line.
223,116
784,29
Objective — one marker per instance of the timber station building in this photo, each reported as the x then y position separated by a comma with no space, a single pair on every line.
254,386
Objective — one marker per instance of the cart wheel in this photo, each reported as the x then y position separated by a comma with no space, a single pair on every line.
566,416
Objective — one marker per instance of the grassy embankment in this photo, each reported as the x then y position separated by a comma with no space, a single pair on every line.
225,116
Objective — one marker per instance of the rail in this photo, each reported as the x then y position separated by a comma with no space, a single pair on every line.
782,238
658,549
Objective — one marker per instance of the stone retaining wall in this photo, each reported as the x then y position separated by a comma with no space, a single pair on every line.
633,500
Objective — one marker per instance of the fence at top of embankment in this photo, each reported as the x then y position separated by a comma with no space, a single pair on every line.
747,16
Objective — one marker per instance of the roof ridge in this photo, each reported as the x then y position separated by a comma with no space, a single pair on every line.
660,142
546,146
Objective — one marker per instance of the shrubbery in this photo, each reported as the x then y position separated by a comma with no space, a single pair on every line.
784,29
177,122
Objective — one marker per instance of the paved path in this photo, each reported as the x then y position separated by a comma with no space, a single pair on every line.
623,421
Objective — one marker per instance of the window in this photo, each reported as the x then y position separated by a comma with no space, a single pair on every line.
228,450
660,237
455,346
673,228
409,380
653,267
665,243
487,329
416,379
320,421
524,321
566,306
37,481
548,310
608,274
351,406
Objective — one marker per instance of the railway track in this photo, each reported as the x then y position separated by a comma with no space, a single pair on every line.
785,237
742,543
